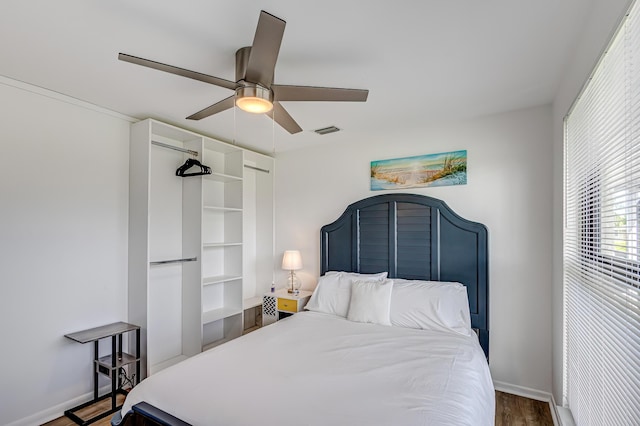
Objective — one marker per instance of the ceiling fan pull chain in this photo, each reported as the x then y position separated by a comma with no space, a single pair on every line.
234,119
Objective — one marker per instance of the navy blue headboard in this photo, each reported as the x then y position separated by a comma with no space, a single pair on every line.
414,237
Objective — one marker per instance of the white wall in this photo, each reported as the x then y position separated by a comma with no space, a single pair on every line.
63,233
509,190
603,21
63,241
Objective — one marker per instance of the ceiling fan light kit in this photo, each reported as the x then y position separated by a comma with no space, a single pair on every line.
254,89
255,99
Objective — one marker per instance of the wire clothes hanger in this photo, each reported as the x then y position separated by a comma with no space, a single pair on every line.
191,162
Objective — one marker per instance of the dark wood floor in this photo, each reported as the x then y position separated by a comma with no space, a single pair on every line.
511,410
89,412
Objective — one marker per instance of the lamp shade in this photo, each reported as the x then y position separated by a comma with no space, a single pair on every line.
292,260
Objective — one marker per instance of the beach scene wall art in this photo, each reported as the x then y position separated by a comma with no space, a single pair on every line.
444,169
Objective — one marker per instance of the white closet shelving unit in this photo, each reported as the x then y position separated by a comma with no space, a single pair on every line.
200,247
258,221
222,237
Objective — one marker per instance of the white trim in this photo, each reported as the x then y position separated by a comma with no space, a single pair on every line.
553,407
56,411
538,395
63,98
565,417
614,34
522,391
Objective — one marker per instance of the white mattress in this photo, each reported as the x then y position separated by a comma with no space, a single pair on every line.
317,369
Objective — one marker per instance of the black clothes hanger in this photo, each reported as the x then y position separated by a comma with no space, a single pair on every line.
204,170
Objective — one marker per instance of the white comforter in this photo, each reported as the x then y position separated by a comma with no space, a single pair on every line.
318,369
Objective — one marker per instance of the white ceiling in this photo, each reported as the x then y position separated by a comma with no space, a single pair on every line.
422,61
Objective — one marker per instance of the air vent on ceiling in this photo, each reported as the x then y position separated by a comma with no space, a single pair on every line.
327,130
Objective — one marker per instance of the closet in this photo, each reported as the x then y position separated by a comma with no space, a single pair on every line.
201,247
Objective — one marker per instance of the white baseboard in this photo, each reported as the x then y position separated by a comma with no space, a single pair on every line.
538,395
554,412
522,391
565,417
56,411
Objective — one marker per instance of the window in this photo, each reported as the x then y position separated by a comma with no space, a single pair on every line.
602,238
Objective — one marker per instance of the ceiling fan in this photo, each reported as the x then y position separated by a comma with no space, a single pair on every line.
254,88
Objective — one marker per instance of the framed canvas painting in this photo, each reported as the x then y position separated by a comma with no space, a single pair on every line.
444,169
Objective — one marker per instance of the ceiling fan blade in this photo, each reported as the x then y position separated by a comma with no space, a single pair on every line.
265,49
214,109
178,71
282,117
310,93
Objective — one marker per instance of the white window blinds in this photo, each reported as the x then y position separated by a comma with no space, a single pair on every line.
601,242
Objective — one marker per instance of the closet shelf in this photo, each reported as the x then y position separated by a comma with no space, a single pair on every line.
220,279
221,177
216,343
252,302
218,314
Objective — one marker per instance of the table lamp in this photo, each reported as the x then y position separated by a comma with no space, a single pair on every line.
292,261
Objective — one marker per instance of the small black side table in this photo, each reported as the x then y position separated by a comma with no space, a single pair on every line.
108,365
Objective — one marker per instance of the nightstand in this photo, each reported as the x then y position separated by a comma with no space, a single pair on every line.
281,304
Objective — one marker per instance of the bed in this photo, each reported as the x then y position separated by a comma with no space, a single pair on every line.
387,354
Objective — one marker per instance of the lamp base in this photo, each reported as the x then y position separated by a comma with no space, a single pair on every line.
293,283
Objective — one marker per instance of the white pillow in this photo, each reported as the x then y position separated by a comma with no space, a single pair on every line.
333,292
330,297
371,302
377,276
431,305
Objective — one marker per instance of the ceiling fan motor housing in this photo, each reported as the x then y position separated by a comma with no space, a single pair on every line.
242,58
